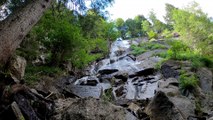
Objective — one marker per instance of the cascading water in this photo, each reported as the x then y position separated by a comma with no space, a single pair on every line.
108,73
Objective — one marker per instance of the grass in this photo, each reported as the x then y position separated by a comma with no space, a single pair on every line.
144,47
107,95
179,51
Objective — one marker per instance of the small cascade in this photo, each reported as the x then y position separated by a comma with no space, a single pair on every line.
121,72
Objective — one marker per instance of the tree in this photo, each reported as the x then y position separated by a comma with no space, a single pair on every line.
157,25
138,20
168,17
15,27
20,21
195,28
121,27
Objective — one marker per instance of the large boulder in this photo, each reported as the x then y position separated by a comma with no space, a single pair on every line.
92,109
161,108
206,79
17,68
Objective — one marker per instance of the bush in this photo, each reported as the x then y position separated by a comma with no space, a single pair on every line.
188,82
152,35
147,46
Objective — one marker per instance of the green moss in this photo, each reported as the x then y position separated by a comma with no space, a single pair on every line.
107,95
188,82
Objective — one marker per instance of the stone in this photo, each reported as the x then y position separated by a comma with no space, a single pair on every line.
94,109
84,91
107,71
144,72
206,79
119,91
17,68
161,108
168,71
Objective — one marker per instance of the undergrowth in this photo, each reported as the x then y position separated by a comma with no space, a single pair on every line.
35,73
144,47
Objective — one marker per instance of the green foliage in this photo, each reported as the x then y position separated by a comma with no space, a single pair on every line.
107,96
152,35
68,39
137,50
167,34
34,73
144,47
180,51
188,82
195,28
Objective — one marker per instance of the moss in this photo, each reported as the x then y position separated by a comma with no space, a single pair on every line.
188,82
107,95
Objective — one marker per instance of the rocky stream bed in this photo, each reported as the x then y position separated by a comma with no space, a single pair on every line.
120,87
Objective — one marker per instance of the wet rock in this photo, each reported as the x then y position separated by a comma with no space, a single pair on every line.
118,82
168,71
161,108
206,79
90,83
93,109
121,75
84,91
107,71
145,72
119,91
17,68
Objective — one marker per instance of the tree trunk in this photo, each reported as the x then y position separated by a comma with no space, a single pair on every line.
14,28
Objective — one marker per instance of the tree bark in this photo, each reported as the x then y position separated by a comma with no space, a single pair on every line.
14,28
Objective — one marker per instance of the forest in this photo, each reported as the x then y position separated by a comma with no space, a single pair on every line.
57,39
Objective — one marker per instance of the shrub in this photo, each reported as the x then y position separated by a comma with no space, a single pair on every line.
152,35
188,82
143,47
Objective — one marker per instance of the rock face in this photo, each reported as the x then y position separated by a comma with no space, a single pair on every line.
161,108
93,109
168,69
206,79
17,68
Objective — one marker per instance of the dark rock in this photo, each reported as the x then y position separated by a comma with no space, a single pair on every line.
118,82
161,108
168,72
132,57
123,77
120,91
145,72
112,61
90,83
107,71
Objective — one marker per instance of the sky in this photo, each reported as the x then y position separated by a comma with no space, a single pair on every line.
130,8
